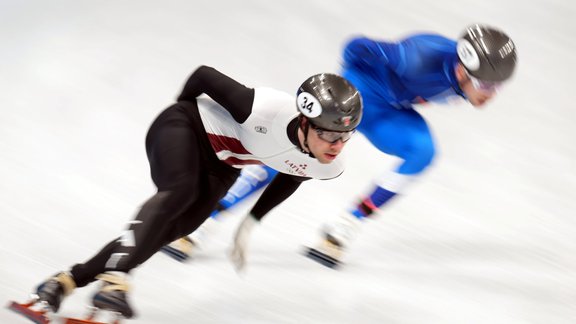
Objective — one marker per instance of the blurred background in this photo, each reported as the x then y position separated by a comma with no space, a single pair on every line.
487,236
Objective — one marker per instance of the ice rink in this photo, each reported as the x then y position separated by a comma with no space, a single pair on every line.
487,236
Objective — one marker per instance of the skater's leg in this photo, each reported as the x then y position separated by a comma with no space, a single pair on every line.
251,180
172,151
406,135
190,181
178,171
402,133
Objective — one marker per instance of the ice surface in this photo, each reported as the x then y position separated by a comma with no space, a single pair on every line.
487,236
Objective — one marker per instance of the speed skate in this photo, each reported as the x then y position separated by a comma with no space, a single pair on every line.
327,254
40,313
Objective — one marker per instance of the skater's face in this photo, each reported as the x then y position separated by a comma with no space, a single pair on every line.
325,145
477,91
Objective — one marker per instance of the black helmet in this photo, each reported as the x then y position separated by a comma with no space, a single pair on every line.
487,53
330,102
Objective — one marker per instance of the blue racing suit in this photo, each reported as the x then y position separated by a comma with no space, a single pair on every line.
392,77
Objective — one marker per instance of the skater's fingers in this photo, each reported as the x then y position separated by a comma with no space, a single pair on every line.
237,257
240,243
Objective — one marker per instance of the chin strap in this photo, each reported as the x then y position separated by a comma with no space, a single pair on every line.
306,148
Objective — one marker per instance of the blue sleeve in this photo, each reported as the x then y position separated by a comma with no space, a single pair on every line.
251,179
365,53
406,58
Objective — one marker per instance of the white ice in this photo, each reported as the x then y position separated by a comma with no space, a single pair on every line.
487,236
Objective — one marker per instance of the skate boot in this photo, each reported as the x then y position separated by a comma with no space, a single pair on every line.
113,294
186,247
336,237
181,249
52,291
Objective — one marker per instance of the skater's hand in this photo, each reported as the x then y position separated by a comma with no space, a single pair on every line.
240,244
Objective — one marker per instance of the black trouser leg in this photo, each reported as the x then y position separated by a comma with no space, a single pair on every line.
189,188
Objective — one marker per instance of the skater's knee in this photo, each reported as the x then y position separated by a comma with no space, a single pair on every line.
426,155
179,194
419,156
166,206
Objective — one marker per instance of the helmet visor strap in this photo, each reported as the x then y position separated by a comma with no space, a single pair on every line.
332,136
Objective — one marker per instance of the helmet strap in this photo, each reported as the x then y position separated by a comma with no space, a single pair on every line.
306,148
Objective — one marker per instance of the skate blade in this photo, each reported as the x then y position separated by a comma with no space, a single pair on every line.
81,321
86,321
38,317
90,319
175,253
322,258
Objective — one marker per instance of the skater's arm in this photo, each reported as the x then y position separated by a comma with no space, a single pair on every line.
233,96
365,52
372,55
410,57
281,187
